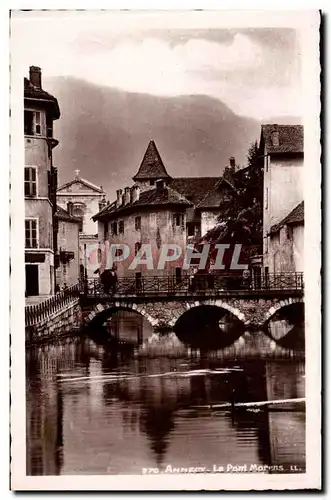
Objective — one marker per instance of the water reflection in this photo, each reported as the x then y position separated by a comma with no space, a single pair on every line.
89,413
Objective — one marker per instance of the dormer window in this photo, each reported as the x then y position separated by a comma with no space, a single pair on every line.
275,138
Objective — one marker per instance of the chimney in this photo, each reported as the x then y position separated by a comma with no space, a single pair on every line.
102,203
126,195
135,193
70,207
159,184
232,163
119,197
35,76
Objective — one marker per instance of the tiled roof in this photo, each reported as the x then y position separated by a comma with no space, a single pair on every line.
294,217
152,166
290,138
33,92
152,197
63,214
86,183
193,188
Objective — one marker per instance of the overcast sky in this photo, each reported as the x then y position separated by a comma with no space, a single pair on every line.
256,72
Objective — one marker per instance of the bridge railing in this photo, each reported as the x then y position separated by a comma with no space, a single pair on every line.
36,313
208,283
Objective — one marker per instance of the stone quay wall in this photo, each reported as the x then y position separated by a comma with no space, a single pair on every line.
58,324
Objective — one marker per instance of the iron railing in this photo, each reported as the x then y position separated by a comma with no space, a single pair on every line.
36,313
185,285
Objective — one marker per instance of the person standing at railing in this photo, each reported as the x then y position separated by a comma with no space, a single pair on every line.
113,279
105,280
246,279
192,280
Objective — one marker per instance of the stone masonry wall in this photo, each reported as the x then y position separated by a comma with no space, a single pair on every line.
252,312
57,324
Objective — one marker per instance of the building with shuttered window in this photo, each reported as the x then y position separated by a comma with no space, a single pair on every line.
40,183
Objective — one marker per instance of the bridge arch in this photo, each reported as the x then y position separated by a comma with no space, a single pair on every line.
100,310
280,305
213,302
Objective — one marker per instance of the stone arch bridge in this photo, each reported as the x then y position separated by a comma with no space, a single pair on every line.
253,310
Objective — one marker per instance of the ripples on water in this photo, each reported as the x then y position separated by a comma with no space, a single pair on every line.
92,413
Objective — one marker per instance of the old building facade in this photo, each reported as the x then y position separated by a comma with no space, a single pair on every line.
159,209
282,148
68,257
155,216
40,181
85,199
286,243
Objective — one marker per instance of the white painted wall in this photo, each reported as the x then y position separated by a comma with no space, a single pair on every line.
91,202
208,221
286,254
283,191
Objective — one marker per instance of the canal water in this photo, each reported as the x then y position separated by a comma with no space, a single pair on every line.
92,412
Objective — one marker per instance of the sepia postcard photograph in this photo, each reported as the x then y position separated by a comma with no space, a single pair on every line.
165,250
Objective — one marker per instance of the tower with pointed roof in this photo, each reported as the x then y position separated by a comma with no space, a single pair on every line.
151,168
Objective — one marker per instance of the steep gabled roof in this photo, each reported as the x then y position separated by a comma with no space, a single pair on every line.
63,214
296,216
152,166
212,199
86,183
290,138
193,188
152,197
33,92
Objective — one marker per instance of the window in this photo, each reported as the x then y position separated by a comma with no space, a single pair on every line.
31,233
152,182
113,228
190,230
105,231
121,227
78,210
38,122
99,255
30,181
289,232
137,223
137,247
266,198
63,228
32,122
277,237
28,122
49,126
178,220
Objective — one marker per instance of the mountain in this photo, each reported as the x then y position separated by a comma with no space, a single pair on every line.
104,132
